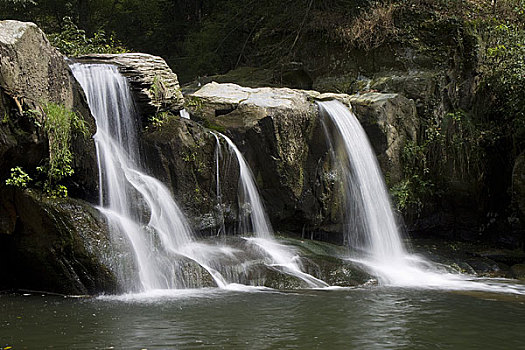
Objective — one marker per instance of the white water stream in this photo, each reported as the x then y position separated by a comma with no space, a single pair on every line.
141,209
127,195
282,257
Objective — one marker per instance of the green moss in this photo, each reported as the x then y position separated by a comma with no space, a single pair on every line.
212,126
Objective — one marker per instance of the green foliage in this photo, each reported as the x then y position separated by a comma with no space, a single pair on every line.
157,90
411,192
34,116
503,77
73,41
59,125
157,120
19,178
193,103
452,149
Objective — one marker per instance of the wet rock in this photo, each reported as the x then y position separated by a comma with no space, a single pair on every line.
56,245
390,121
153,83
181,153
327,262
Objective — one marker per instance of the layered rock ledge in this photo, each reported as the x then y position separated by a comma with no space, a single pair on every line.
155,86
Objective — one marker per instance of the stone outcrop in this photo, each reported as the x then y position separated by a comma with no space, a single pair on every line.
155,86
33,73
181,153
46,244
280,134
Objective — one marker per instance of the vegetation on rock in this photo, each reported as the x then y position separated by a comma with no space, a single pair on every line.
461,61
60,124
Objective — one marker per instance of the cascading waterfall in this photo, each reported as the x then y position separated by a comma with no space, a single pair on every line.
127,195
256,220
379,246
142,212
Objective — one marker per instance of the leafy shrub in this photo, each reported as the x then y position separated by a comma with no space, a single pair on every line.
73,41
19,178
59,125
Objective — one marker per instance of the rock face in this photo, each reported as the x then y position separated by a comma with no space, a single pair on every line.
33,73
52,245
181,153
518,183
280,134
155,86
390,120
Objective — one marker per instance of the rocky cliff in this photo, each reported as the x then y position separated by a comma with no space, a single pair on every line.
281,135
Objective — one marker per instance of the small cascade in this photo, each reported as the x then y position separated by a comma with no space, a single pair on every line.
218,193
373,220
254,219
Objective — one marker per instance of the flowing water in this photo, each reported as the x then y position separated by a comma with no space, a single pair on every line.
142,210
159,314
128,195
366,318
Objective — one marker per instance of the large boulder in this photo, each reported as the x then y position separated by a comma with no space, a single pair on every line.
153,83
46,244
33,73
181,153
53,245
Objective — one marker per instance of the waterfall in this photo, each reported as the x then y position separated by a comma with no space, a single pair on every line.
378,244
144,217
127,195
142,212
254,218
371,228
377,232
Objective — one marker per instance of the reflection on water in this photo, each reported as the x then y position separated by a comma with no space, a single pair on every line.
371,318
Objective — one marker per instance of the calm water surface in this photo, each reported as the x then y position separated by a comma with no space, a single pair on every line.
366,318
